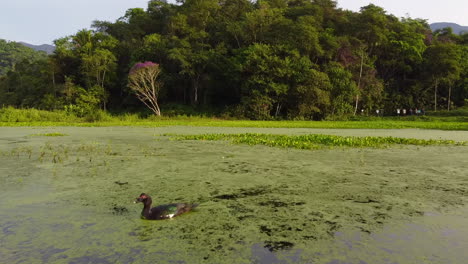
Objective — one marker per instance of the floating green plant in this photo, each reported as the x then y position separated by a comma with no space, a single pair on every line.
278,205
314,141
54,134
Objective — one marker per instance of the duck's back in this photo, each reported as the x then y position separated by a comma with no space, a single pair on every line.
164,211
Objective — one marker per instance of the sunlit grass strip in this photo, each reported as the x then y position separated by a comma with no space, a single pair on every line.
314,141
55,134
11,117
212,122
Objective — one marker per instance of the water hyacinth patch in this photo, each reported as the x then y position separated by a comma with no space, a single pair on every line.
53,134
314,141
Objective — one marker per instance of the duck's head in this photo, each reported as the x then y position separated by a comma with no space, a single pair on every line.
143,198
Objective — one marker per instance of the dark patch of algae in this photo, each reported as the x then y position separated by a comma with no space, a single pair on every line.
61,201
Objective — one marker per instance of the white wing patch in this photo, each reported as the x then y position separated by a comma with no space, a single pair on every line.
171,215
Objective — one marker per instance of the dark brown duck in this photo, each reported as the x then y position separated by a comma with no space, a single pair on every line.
160,212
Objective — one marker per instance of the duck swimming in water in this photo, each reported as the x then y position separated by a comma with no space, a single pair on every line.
160,212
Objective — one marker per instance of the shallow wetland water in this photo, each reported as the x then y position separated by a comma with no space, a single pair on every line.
69,199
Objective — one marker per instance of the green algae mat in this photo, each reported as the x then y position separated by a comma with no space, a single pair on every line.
66,196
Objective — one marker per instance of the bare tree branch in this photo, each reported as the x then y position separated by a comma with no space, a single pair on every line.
143,82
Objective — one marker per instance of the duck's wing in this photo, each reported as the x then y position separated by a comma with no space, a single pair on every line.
164,211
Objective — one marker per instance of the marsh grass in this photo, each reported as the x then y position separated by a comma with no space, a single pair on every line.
210,122
84,152
12,117
314,141
18,151
59,153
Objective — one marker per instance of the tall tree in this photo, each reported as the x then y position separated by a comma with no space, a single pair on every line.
447,69
89,60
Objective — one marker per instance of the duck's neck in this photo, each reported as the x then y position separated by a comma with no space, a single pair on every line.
147,207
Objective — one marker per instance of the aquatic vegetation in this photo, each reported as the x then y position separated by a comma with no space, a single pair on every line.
58,153
314,141
18,151
71,199
54,134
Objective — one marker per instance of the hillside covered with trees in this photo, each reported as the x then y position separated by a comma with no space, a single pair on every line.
293,59
12,53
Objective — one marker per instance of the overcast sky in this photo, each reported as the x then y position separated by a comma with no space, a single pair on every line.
42,21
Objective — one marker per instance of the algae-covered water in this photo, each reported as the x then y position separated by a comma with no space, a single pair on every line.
66,196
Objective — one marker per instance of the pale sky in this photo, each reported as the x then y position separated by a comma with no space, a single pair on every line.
42,21
455,11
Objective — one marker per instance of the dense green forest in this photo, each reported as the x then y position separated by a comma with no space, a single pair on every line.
12,53
285,59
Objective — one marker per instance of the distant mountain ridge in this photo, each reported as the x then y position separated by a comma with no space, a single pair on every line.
49,49
457,29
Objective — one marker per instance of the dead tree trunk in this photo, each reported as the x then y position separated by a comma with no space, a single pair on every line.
359,83
435,95
449,95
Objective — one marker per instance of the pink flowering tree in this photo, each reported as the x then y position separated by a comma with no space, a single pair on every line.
142,80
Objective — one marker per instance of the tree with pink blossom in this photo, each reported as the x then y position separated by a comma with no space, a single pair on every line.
142,80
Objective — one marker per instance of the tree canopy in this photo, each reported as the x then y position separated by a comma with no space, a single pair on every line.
300,59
